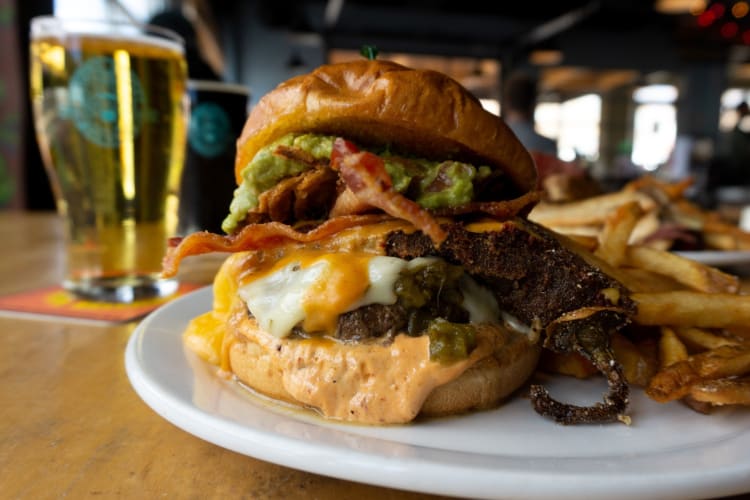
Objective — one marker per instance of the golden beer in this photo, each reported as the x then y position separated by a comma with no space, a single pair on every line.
110,113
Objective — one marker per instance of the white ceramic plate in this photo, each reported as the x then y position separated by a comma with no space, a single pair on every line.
719,257
668,452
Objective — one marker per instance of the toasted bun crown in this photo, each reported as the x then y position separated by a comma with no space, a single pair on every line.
378,102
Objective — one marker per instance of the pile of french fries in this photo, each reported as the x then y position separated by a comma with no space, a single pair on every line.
690,339
664,205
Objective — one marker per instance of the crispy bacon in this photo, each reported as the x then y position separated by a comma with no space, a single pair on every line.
257,237
365,175
503,209
307,196
299,155
347,203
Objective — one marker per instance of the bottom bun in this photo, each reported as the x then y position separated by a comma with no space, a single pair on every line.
489,382
377,383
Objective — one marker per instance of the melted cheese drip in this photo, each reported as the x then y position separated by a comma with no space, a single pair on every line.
314,288
367,383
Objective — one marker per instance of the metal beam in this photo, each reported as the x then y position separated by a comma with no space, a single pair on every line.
562,23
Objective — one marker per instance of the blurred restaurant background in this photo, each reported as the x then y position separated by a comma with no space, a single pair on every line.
624,88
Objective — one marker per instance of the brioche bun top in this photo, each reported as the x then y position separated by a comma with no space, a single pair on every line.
421,112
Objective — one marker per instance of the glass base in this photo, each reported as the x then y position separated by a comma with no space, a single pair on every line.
122,289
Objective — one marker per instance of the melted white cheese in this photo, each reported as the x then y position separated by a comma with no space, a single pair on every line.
278,299
479,301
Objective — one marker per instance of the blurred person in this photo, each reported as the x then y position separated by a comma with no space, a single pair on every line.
734,165
730,166
519,101
186,23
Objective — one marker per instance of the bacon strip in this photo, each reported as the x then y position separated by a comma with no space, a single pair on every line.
503,209
299,155
255,237
365,175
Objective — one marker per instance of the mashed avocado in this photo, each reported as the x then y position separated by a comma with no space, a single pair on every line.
432,184
266,170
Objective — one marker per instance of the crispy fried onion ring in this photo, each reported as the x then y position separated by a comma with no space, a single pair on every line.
365,175
256,237
586,332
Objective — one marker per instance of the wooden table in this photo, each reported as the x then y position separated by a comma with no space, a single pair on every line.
71,425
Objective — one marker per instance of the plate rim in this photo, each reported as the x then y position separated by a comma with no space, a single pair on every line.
518,482
717,257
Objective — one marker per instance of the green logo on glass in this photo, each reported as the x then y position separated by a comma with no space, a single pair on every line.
210,131
94,105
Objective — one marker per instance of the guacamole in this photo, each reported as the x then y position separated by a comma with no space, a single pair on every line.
432,184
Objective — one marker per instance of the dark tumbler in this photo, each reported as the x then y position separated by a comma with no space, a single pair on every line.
218,112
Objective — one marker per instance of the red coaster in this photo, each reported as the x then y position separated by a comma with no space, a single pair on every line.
55,301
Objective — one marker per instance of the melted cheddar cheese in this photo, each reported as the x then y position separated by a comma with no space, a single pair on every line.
368,382
314,287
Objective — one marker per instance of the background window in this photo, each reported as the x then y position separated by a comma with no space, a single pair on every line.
728,116
654,125
579,128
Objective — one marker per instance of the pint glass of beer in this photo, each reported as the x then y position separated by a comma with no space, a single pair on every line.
110,111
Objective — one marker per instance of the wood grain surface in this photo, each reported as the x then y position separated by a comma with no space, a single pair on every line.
71,426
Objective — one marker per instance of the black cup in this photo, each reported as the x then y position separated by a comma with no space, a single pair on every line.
218,112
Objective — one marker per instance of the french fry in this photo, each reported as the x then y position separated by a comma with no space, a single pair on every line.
615,235
568,363
740,334
641,280
698,338
670,190
723,391
589,211
671,348
690,316
588,242
637,367
635,280
723,236
645,227
692,308
675,381
649,348
721,240
584,230
689,272
698,406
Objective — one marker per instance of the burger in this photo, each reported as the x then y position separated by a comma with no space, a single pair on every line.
381,266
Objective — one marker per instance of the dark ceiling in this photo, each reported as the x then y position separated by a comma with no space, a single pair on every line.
604,33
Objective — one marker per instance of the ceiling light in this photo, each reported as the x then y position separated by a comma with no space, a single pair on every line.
679,6
545,57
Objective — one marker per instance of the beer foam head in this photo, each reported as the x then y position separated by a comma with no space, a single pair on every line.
113,31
